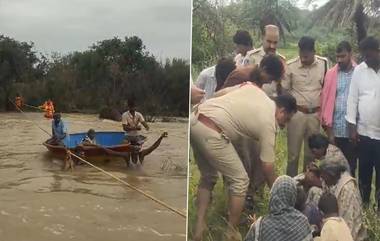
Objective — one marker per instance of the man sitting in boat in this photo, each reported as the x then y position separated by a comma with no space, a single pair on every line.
89,139
131,121
59,131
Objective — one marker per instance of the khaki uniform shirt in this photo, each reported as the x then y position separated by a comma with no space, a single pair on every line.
245,111
305,82
254,57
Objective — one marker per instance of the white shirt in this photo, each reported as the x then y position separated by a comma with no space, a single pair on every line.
132,121
363,104
239,60
207,81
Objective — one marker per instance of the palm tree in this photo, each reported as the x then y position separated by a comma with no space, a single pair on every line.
344,13
278,12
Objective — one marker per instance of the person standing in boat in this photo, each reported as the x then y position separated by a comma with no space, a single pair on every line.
132,121
59,131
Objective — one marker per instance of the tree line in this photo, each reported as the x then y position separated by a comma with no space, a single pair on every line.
105,76
215,23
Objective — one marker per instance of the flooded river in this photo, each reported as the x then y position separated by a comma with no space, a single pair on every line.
39,201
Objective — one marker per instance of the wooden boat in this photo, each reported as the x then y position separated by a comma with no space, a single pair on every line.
111,140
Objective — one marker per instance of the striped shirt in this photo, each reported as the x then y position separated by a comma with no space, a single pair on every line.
340,127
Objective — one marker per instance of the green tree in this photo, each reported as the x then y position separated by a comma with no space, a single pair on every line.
17,64
360,15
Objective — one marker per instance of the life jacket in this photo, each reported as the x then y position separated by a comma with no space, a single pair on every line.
49,109
19,101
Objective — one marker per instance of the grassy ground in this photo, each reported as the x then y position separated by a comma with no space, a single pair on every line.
217,210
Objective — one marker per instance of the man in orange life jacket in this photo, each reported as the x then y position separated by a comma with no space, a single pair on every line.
19,101
48,107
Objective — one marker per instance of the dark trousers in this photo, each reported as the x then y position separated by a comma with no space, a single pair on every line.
369,158
350,152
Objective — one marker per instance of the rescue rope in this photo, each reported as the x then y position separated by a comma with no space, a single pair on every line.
147,137
111,175
31,106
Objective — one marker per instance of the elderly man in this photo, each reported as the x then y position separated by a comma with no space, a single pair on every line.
220,121
304,80
271,37
335,173
363,115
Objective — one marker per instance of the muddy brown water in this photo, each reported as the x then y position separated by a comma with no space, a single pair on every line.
39,201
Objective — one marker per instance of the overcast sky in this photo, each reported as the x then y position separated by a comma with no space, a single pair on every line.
318,3
73,25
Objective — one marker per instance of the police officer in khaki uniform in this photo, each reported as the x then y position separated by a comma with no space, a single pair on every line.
304,80
271,37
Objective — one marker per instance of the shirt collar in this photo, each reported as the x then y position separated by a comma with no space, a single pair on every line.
59,123
262,51
367,67
302,66
346,72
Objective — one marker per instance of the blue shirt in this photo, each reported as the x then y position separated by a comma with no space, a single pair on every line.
60,130
340,126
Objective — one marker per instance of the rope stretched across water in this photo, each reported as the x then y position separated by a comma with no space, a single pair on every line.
113,176
31,106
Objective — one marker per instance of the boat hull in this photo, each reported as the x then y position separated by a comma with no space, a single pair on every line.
111,140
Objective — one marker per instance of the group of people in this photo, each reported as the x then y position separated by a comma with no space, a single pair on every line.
240,103
131,123
47,106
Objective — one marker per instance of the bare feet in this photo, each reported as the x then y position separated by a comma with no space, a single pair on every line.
141,157
142,154
198,233
69,163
